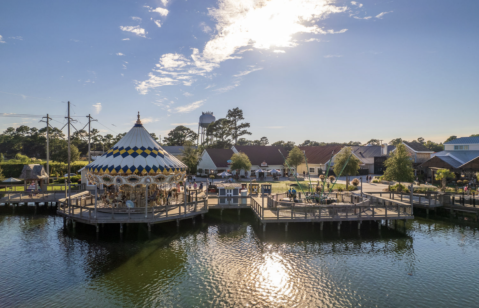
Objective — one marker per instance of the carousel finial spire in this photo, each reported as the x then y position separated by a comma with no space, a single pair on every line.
138,121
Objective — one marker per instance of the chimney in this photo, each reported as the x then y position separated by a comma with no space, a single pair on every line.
384,149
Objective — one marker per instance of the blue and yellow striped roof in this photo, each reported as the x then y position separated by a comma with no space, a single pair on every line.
136,152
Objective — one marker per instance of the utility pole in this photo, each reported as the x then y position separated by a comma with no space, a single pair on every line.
48,143
90,119
69,142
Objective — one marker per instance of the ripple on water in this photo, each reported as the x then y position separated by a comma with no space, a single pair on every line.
232,265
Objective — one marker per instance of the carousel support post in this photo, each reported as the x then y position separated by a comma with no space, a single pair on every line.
96,199
146,203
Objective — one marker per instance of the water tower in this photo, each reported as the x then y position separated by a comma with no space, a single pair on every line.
205,119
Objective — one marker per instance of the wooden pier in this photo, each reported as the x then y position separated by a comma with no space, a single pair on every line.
268,208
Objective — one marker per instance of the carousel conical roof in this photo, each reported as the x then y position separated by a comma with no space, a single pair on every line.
137,152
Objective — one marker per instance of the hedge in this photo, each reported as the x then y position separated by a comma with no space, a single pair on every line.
15,170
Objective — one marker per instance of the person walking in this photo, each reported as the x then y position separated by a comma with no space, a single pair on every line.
195,185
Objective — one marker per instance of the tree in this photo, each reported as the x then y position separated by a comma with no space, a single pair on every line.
399,166
153,135
451,138
443,175
190,157
180,135
60,153
2,158
420,140
295,158
220,130
350,166
309,143
287,145
474,135
240,161
264,141
396,141
243,141
237,129
433,146
1,173
373,142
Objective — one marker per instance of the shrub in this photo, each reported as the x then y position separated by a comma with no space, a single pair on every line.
322,177
459,182
212,176
340,189
74,179
351,188
331,178
355,182
465,182
375,181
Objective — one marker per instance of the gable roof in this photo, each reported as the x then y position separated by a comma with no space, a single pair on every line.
461,156
220,157
417,147
447,162
175,149
464,140
258,154
33,172
370,151
320,154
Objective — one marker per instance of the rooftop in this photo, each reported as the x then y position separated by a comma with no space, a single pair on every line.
258,154
220,157
464,140
418,147
320,154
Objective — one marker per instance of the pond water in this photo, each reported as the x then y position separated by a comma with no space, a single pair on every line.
226,261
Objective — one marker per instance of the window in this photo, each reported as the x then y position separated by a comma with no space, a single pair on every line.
311,170
461,147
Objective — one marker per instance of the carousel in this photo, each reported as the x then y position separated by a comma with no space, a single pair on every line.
137,173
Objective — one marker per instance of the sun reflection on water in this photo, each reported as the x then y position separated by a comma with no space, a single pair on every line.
274,279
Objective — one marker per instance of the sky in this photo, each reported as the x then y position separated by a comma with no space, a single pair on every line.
302,69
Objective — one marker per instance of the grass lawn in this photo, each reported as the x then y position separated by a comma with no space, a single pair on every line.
283,186
21,188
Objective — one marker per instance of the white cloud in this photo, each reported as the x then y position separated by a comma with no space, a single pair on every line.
97,107
159,10
158,23
380,15
187,94
312,40
148,120
333,56
210,86
126,39
136,18
244,73
357,4
190,107
165,2
154,81
227,88
367,17
279,51
16,38
135,30
119,54
1,39
242,25
206,28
